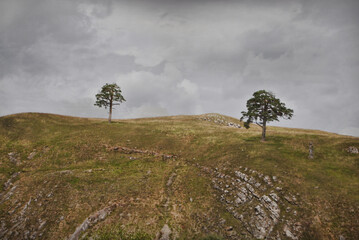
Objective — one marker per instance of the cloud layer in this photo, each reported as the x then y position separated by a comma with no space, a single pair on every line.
182,57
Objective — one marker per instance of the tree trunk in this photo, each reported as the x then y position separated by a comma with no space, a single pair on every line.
264,127
110,114
264,130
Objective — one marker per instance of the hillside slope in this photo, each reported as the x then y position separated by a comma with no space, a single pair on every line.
186,177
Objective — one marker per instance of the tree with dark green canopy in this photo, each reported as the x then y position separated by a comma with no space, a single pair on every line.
109,96
262,108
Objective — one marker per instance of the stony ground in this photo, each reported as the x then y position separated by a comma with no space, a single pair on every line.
256,200
184,177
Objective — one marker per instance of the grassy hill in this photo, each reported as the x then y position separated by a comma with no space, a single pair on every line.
189,177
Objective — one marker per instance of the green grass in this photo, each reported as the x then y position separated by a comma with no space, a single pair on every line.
329,183
116,232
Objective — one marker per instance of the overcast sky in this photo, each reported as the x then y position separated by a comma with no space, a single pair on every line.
182,57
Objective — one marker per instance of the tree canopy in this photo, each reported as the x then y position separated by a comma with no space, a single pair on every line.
264,107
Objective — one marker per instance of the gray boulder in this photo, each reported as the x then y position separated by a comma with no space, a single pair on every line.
353,150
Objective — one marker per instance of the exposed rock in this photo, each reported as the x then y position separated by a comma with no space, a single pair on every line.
127,150
92,220
291,199
352,149
170,180
220,120
242,197
259,210
14,158
9,182
240,193
230,231
238,201
261,225
274,196
42,224
25,207
65,172
252,181
31,155
297,226
165,233
267,180
231,124
251,189
288,233
230,228
271,206
166,157
8,194
222,221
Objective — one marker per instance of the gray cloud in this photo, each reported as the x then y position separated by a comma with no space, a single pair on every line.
182,57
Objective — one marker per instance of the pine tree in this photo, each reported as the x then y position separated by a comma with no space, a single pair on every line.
109,96
264,108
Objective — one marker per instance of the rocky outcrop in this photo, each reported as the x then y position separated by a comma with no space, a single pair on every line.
6,196
19,222
255,200
220,120
353,150
92,220
10,181
9,188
